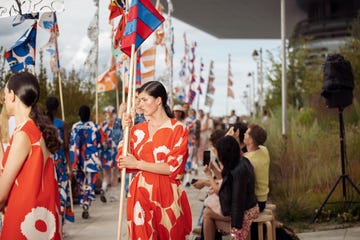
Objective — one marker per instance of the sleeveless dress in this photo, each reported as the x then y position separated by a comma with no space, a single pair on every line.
33,207
157,205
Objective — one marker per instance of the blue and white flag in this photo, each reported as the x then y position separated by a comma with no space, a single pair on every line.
22,54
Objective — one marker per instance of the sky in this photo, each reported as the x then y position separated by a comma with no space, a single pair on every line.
74,46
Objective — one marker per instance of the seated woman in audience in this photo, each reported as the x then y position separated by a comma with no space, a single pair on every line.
237,193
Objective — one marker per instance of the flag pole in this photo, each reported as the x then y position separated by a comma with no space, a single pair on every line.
123,82
97,71
126,142
63,117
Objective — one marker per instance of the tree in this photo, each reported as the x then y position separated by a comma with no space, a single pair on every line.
42,78
303,76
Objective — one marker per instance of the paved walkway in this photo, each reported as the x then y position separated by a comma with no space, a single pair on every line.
103,222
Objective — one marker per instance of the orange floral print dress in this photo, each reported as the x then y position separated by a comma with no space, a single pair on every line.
157,205
33,206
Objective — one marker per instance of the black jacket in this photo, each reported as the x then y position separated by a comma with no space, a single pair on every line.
237,192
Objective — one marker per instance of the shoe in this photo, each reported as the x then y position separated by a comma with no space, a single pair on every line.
102,196
197,230
187,184
85,214
113,198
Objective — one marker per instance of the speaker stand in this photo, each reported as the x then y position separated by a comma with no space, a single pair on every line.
343,177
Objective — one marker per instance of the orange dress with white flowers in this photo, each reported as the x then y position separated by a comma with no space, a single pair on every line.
157,205
33,206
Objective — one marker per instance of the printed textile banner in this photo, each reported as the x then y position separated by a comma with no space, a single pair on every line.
12,7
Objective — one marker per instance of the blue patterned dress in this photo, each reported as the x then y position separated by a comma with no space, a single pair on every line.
61,164
84,157
108,146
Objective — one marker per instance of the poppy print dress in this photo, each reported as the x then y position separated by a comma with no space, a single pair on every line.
157,205
33,206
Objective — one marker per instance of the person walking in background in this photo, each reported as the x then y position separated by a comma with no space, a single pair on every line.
179,113
84,156
108,153
232,118
61,160
193,127
118,129
157,205
237,191
203,138
28,188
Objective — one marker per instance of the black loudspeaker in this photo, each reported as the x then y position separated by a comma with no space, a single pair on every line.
338,82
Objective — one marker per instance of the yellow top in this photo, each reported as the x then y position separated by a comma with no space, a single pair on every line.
260,159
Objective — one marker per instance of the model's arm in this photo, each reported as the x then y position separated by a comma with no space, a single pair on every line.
19,150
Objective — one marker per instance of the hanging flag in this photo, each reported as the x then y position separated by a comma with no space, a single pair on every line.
192,95
12,8
148,64
50,47
138,68
210,87
108,80
116,8
230,92
21,18
142,20
22,54
48,21
209,101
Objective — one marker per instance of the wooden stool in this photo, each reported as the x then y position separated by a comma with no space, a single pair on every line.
264,218
270,206
270,209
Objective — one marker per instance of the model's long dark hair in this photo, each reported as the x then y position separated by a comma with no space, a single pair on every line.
228,151
156,89
52,105
27,89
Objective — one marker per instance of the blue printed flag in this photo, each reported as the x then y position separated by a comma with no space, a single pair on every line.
18,19
22,54
142,20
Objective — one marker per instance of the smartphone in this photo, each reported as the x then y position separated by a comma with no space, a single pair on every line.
194,180
206,157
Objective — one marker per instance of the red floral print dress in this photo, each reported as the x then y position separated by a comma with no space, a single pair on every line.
157,205
33,206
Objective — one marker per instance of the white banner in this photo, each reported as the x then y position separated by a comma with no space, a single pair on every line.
19,7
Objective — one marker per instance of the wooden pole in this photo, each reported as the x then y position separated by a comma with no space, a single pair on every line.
126,142
97,73
123,81
63,118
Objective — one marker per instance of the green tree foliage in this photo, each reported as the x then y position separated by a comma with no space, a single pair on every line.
42,78
303,76
351,51
76,91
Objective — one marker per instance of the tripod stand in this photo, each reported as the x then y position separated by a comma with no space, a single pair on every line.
343,175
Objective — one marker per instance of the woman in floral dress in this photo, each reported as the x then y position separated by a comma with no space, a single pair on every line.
28,187
157,205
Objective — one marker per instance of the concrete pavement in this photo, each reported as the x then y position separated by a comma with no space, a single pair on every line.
103,222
